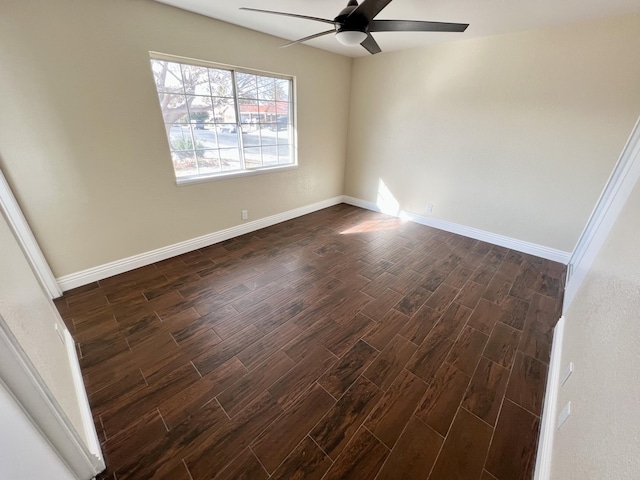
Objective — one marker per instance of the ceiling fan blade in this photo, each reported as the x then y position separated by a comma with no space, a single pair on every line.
310,37
371,45
370,8
295,15
415,26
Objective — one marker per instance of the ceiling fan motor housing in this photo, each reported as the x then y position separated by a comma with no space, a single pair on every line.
345,22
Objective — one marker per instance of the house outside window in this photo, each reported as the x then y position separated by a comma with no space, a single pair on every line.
222,121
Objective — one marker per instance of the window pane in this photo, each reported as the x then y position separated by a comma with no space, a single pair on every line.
174,108
205,135
252,157
268,112
246,85
184,163
284,134
230,159
283,89
250,136
224,110
284,154
266,88
200,109
195,80
167,76
221,82
249,111
228,136
283,112
180,137
268,136
269,156
208,161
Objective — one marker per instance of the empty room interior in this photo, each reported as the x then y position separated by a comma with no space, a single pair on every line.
395,250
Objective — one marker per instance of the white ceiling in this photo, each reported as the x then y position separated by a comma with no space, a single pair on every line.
486,17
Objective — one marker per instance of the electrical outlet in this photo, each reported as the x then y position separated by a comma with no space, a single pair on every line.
60,333
564,414
244,214
429,207
567,373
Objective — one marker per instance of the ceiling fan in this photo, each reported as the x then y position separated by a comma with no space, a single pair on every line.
355,23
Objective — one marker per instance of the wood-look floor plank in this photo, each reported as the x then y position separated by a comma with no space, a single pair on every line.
497,289
176,408
466,352
249,387
210,360
159,363
485,316
244,467
485,392
452,321
387,327
216,451
306,462
538,333
440,403
388,365
258,352
139,402
464,451
414,454
502,345
379,306
470,294
285,319
527,383
388,419
337,427
420,325
293,383
282,436
428,358
513,449
346,334
442,297
339,378
361,460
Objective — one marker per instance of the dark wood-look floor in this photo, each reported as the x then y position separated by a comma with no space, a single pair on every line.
344,344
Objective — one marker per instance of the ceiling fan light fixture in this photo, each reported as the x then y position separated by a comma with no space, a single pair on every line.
351,37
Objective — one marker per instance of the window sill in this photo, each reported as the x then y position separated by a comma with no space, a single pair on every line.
225,176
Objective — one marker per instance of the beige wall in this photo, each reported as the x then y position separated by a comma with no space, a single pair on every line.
81,135
602,338
514,134
32,317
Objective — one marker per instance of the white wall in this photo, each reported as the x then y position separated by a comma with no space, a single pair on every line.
84,147
602,338
513,134
24,454
32,318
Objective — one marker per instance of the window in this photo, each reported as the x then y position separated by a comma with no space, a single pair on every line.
221,121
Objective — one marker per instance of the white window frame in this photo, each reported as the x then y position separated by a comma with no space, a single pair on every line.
209,177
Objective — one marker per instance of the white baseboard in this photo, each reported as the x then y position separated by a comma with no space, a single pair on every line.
67,282
493,238
84,277
549,411
90,433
